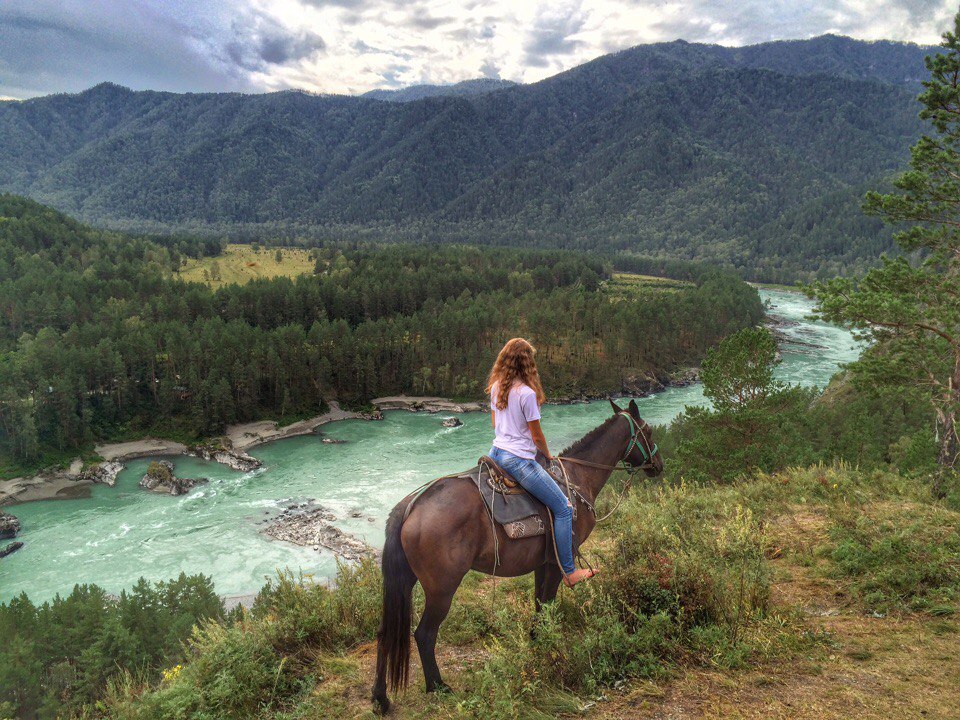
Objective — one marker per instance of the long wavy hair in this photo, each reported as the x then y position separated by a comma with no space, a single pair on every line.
515,364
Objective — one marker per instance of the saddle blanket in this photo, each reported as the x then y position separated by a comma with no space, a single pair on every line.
514,509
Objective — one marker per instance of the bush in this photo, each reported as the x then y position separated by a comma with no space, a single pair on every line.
296,613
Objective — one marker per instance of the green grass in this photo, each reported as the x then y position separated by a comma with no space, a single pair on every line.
777,286
898,557
239,264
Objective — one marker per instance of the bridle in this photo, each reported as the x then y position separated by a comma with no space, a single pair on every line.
638,440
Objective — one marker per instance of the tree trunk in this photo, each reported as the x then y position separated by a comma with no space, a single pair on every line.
948,453
947,418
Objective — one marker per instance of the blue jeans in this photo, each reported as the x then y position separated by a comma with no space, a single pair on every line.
537,481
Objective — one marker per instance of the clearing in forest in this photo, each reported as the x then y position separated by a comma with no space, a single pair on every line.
630,285
241,263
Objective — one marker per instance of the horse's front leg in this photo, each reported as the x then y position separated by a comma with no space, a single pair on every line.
538,576
548,585
546,581
434,612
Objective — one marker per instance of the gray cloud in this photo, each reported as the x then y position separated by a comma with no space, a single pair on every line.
349,4
266,42
354,45
490,69
551,36
735,21
68,45
746,23
923,9
422,19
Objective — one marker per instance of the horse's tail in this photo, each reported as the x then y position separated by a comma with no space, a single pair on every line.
393,637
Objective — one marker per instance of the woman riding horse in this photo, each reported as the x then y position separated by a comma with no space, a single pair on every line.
515,399
437,534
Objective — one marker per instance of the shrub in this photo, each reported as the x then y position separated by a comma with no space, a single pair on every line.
296,612
232,673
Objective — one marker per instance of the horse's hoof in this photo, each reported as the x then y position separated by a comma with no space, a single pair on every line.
381,705
441,688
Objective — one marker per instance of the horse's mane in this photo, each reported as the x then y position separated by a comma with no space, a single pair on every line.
588,439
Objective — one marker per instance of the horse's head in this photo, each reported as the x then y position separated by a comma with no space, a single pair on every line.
643,452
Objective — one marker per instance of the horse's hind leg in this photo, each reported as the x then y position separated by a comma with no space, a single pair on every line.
435,610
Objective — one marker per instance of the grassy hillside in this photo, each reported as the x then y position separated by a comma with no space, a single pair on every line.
823,592
239,264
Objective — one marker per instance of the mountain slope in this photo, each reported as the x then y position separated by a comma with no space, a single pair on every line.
676,148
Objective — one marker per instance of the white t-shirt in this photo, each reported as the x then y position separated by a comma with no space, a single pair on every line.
510,424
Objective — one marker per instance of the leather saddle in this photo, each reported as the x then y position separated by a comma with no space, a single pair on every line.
518,512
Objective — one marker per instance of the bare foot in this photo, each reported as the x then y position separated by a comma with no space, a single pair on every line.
578,575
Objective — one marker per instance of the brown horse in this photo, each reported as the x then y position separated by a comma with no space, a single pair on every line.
448,532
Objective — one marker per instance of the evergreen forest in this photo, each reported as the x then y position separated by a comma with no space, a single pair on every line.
102,340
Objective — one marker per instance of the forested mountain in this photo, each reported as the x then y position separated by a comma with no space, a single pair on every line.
477,86
756,157
100,338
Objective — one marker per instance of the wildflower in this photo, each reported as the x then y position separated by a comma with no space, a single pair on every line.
170,675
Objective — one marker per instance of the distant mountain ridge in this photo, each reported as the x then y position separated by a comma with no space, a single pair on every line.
755,157
477,86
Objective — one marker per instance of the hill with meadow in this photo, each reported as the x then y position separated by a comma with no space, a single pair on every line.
754,158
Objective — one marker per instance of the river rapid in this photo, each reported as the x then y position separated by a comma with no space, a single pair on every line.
122,533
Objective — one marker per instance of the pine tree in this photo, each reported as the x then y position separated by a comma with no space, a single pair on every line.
911,310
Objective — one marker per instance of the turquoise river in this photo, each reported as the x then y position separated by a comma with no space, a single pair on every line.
119,534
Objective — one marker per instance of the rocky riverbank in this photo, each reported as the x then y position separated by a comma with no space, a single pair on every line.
310,525
231,449
247,435
429,404
75,481
635,386
218,452
9,527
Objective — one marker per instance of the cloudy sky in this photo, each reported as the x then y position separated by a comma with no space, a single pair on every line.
351,46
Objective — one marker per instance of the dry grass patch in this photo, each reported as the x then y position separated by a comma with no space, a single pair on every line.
240,263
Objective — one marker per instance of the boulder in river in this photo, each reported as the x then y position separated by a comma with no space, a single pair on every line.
684,377
452,422
160,479
9,526
10,549
223,453
104,473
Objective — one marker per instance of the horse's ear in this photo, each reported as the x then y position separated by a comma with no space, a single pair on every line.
616,408
634,410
